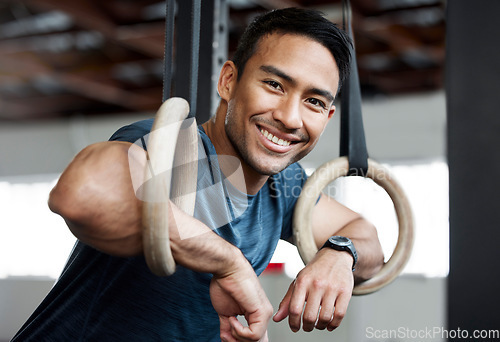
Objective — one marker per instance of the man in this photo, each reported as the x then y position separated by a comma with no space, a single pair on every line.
277,96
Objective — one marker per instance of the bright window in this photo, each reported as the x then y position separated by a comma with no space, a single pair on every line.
33,240
36,242
426,186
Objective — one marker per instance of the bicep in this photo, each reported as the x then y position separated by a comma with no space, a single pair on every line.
96,196
101,167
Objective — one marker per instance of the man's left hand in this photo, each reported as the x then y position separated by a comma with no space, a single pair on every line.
320,294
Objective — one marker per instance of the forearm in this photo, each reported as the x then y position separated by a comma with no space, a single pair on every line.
195,246
331,218
96,197
234,289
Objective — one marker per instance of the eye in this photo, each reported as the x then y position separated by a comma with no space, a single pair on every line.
316,102
274,85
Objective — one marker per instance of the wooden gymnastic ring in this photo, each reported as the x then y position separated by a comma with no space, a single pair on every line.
313,187
172,135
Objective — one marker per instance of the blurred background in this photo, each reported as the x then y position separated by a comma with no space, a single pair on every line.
73,72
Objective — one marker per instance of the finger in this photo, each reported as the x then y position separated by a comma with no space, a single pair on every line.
296,305
310,315
228,338
326,314
254,331
284,304
339,311
225,330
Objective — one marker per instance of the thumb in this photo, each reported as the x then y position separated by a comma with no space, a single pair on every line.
282,312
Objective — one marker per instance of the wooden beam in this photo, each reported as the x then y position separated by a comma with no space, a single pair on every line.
83,83
86,15
145,38
106,92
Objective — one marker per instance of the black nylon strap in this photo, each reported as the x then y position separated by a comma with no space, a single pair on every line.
352,134
184,70
168,62
194,55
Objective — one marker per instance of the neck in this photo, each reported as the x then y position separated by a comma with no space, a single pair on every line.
253,181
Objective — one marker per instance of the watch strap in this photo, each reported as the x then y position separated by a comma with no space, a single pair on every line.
347,247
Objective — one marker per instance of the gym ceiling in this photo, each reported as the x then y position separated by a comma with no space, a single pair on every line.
60,58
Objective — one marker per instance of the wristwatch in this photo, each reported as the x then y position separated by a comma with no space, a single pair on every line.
341,243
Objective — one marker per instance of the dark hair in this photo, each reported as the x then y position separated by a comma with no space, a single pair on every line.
309,23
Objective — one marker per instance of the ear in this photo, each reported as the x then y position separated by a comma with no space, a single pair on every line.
227,80
331,112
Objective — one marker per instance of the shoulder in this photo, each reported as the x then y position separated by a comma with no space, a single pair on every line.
133,132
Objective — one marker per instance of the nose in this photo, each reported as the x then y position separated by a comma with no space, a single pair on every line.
288,113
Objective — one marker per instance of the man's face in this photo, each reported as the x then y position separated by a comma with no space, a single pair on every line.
280,106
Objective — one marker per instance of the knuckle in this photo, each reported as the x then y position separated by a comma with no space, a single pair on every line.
343,290
319,284
339,314
309,318
295,310
324,318
300,281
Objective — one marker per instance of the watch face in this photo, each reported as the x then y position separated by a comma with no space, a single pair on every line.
340,241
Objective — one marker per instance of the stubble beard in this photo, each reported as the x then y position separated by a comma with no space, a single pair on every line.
240,145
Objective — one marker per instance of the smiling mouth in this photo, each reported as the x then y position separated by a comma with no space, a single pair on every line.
274,139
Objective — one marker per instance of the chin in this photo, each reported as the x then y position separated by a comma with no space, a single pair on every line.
269,169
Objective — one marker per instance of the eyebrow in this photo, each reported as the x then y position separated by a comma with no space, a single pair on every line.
324,93
277,72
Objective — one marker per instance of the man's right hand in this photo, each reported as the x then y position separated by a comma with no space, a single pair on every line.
240,293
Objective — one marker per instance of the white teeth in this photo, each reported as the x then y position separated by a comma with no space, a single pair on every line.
274,139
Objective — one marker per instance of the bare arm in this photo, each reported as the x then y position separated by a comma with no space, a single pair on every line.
331,218
322,290
95,196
